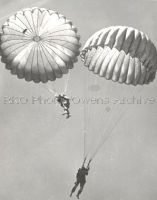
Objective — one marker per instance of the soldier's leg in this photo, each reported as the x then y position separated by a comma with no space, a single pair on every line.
68,114
81,189
74,188
65,111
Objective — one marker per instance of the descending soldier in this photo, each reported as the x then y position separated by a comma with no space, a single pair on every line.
64,101
80,179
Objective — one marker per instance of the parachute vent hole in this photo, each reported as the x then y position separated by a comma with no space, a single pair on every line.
36,38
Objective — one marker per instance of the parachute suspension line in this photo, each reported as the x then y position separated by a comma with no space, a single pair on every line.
90,117
102,139
67,82
111,108
84,133
87,118
119,109
115,115
53,91
109,130
84,121
101,130
107,117
89,113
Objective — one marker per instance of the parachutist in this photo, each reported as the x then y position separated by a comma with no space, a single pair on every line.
64,102
80,180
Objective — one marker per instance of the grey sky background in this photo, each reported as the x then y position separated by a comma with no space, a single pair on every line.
40,151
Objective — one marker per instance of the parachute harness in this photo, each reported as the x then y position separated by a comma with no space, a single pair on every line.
67,83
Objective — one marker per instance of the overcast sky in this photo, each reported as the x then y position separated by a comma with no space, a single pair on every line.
40,151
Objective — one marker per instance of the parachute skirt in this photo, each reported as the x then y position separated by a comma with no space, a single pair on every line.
39,44
122,54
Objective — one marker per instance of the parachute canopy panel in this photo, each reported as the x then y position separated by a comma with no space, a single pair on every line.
122,54
39,44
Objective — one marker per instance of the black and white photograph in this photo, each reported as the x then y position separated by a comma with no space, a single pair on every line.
78,100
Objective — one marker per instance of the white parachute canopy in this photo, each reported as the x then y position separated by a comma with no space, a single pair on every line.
38,44
122,54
